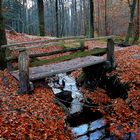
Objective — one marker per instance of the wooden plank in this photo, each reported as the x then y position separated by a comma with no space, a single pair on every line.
57,39
43,41
110,52
41,72
18,48
47,53
23,62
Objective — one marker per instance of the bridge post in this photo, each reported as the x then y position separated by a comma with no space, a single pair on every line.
23,63
9,62
110,52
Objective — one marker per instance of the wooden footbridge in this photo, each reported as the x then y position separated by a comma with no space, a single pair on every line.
25,74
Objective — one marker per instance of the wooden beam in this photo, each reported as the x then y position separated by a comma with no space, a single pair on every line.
57,39
43,41
33,47
41,72
48,53
56,52
24,81
110,52
9,63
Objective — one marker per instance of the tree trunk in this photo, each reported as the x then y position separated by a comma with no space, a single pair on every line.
3,40
137,34
98,18
86,13
56,8
130,26
41,17
91,19
106,33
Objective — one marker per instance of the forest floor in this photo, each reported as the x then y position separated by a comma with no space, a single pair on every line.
36,116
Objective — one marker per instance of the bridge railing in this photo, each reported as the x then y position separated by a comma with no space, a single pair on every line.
23,57
50,42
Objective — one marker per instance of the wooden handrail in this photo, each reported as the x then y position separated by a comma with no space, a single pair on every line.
42,41
58,39
23,62
47,53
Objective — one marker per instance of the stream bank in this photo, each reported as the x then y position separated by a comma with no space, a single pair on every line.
84,123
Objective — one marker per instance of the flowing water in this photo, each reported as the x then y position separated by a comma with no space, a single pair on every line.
85,124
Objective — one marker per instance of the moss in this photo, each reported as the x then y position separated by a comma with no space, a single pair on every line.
71,45
95,51
118,39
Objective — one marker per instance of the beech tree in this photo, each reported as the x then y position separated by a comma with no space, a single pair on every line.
132,6
106,32
56,8
91,18
137,30
41,17
3,40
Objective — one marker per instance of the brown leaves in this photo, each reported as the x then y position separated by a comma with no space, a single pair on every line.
29,116
123,116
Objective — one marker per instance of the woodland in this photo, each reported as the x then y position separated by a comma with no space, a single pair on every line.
69,69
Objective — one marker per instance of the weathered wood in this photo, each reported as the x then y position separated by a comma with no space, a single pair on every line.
23,62
44,41
110,52
34,47
48,53
62,67
56,52
9,66
9,63
58,39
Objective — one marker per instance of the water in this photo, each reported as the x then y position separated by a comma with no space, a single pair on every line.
85,124
61,83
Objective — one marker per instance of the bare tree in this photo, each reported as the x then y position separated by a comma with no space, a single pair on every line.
137,30
41,17
91,18
132,6
106,32
2,38
56,14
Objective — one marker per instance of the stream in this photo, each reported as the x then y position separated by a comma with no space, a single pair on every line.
84,123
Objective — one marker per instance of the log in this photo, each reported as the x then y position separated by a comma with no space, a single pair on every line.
9,63
23,62
44,41
58,39
48,53
110,53
33,47
56,52
42,72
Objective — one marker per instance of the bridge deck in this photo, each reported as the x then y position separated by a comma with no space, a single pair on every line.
36,73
